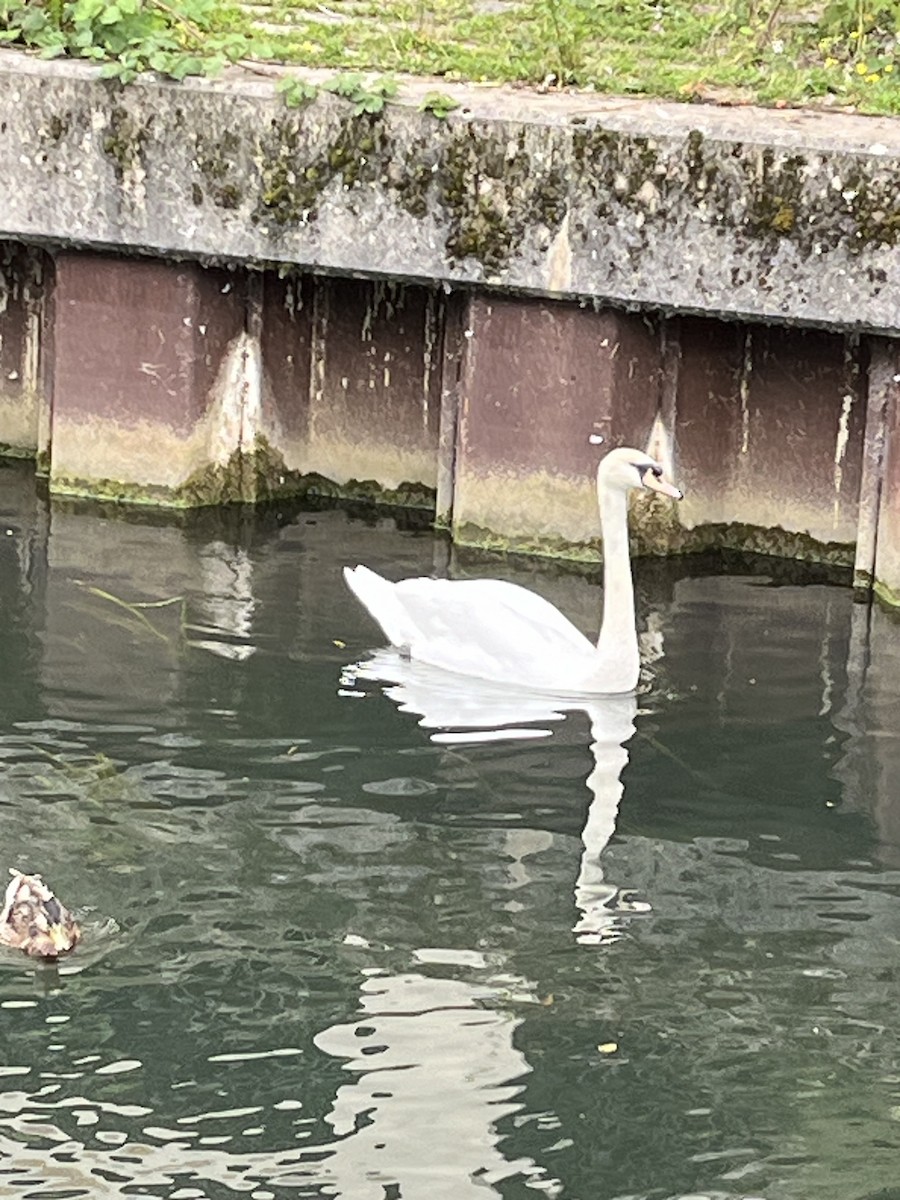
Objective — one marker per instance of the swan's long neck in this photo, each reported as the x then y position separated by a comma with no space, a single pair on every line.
617,645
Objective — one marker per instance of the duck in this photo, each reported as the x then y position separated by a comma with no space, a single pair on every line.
33,920
499,631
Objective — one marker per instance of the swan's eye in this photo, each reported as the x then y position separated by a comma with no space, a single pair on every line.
653,469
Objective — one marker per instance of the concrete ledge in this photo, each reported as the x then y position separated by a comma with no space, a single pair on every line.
729,212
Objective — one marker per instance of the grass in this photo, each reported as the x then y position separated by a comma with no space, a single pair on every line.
844,54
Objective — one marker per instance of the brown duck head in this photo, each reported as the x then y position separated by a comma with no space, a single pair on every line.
33,920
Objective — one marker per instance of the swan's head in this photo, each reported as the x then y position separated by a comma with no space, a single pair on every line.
624,469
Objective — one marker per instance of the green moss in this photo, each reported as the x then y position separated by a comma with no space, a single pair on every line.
477,537
212,485
257,476
58,125
215,158
775,191
887,597
490,186
111,491
292,180
124,141
413,188
494,189
497,183
819,204
285,197
654,532
260,475
368,492
873,205
227,196
408,494
774,543
247,477
8,450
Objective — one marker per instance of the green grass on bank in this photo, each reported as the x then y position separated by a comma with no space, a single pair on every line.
844,53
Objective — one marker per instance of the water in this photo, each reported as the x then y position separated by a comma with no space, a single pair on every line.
652,953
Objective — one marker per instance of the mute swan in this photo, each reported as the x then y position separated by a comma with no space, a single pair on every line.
502,632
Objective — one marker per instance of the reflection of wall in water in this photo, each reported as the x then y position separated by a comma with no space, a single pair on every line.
869,768
435,1071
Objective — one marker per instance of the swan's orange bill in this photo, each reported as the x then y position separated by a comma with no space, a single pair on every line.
663,486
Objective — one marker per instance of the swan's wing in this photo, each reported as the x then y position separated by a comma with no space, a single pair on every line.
474,608
482,627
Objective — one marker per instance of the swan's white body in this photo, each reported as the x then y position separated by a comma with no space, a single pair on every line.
499,631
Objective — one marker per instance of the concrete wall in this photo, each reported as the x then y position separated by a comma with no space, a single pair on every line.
728,212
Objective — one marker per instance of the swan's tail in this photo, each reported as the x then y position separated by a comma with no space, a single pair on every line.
378,596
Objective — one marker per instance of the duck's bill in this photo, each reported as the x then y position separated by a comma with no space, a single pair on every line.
657,484
60,939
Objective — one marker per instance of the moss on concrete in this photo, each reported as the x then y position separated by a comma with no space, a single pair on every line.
775,195
476,537
818,202
216,159
493,186
407,494
111,491
499,184
773,543
257,476
658,534
887,596
124,139
58,125
7,450
293,178
495,189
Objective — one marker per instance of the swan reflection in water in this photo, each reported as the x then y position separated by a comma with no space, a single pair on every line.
459,710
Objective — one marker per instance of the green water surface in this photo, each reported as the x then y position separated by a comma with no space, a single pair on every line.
653,953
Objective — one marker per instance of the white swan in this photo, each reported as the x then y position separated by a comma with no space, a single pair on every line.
499,631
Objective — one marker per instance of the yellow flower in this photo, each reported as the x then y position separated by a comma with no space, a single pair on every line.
854,33
830,62
862,69
873,78
888,68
